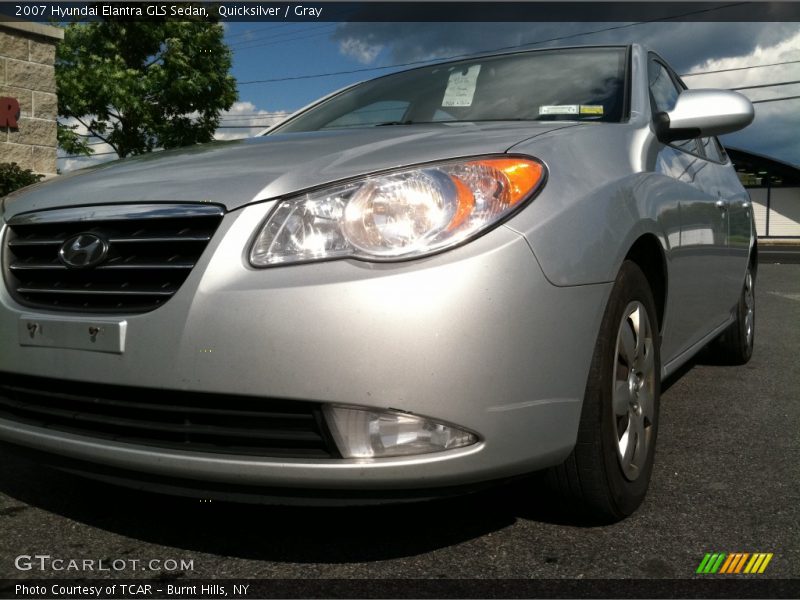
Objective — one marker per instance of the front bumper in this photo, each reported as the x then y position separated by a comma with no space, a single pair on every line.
476,337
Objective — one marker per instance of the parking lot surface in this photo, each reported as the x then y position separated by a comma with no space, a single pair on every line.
727,479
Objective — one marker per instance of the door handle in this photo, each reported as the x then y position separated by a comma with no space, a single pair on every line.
722,205
745,204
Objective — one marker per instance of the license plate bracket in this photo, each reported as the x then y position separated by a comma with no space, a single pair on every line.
96,335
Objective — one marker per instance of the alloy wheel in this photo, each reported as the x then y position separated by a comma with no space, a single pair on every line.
634,389
749,308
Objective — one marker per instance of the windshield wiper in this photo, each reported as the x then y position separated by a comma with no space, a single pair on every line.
395,123
446,121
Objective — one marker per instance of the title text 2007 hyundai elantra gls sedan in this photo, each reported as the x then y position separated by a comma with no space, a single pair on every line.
422,284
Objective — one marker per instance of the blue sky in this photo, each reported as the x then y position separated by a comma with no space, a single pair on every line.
285,50
267,50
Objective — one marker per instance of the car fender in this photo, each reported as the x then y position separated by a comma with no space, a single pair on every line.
595,204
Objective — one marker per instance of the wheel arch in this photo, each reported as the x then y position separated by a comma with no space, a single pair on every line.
647,252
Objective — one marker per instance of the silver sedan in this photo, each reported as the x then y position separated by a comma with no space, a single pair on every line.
419,285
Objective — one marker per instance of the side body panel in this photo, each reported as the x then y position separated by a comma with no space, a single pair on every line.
611,184
741,226
698,260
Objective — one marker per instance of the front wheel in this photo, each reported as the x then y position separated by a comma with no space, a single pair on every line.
608,472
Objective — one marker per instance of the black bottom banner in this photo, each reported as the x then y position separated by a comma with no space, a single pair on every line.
213,589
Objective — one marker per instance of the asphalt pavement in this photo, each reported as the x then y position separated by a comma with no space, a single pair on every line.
727,479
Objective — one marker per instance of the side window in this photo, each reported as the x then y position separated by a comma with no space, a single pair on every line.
712,149
662,89
663,94
693,146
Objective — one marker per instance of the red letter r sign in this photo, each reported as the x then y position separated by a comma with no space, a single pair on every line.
9,112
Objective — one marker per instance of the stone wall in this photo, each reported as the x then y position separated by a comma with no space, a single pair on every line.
27,55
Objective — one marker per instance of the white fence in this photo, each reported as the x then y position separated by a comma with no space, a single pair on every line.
776,211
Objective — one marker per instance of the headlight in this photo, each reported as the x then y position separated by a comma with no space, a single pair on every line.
397,215
369,433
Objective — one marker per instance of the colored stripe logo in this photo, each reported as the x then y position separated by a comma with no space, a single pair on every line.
734,563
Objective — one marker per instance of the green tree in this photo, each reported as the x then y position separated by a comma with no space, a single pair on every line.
13,177
142,85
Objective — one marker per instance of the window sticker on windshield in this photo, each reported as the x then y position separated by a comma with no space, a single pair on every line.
461,87
561,109
571,109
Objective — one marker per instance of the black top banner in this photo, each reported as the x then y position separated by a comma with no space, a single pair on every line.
61,12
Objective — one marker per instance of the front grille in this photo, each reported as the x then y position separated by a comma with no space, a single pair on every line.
151,249
201,422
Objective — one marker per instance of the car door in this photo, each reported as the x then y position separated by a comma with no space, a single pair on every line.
738,217
697,257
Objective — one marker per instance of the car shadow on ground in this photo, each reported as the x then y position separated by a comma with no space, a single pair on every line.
277,533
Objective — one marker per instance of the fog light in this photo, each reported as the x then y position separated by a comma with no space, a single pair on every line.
365,433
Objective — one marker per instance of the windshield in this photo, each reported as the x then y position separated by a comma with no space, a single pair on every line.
576,84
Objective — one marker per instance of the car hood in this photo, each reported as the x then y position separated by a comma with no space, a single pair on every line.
236,173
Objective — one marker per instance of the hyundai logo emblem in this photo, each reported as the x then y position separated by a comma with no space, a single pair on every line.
83,251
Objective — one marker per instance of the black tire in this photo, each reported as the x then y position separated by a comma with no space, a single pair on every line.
735,345
593,479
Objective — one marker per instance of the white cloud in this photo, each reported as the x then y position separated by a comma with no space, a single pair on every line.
774,131
362,50
247,121
102,152
788,49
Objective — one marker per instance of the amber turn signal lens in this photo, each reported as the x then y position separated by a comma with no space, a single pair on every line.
523,175
466,202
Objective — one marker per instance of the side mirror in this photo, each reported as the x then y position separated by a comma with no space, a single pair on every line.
703,113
